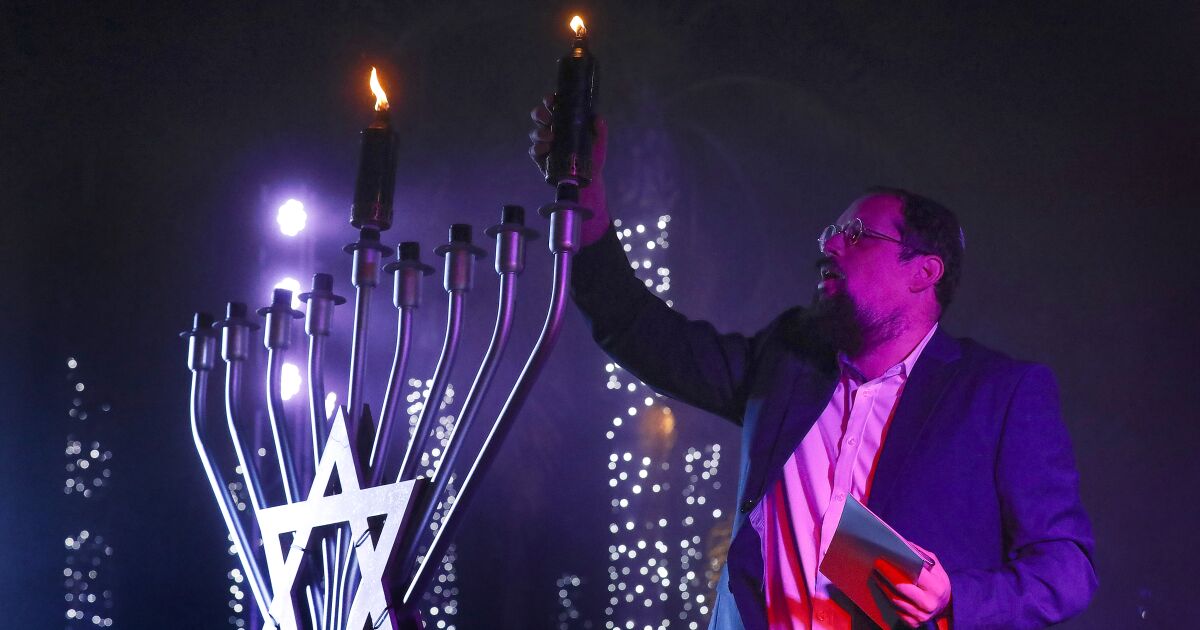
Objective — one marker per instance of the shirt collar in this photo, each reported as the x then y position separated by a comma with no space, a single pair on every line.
903,368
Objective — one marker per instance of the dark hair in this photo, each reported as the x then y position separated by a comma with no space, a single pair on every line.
930,228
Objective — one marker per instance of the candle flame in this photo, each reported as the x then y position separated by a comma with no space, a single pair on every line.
381,102
578,27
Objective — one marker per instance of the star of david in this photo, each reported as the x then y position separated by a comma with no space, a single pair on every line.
354,505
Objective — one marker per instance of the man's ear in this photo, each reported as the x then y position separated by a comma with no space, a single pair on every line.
927,273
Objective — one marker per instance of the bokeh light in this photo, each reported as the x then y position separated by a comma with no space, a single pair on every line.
291,217
330,403
293,285
289,381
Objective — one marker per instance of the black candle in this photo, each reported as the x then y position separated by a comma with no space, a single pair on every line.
569,165
376,181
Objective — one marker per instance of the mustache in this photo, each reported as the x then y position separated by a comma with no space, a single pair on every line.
826,263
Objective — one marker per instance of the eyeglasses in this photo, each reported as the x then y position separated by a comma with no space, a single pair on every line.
853,231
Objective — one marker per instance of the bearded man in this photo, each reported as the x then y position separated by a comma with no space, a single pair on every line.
959,448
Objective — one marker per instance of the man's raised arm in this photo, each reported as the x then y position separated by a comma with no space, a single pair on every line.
685,359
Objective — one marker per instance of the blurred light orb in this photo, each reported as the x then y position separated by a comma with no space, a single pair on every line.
330,403
289,381
291,217
293,285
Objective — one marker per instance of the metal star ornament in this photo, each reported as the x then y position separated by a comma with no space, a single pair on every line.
370,606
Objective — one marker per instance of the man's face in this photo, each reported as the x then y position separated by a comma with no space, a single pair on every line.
868,274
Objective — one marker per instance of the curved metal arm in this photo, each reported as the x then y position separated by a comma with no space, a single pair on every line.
233,396
441,376
428,502
279,429
319,431
358,354
216,481
283,449
391,399
516,399
317,417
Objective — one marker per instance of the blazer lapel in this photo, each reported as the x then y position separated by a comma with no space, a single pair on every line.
811,387
931,375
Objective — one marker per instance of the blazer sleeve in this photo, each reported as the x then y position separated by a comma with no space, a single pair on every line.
685,359
1048,574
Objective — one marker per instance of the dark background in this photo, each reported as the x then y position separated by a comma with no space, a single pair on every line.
145,148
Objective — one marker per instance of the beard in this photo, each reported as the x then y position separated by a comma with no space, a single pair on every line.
848,326
838,321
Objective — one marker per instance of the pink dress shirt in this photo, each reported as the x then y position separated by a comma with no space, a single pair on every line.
799,514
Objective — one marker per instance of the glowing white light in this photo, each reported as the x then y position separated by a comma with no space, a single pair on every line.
330,403
291,217
289,381
293,285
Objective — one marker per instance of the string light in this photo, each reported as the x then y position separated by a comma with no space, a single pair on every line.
660,512
88,598
569,592
441,600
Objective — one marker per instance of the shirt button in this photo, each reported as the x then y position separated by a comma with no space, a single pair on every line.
820,616
852,441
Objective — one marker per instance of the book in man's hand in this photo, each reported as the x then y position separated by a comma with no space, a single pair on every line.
863,540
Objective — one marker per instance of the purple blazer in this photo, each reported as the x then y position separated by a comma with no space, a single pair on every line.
976,465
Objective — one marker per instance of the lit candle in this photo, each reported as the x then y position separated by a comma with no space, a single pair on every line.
376,182
569,166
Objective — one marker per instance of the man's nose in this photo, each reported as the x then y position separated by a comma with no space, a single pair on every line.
835,245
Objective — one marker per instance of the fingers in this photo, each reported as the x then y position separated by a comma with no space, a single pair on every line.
890,572
920,599
539,158
541,113
908,612
540,116
542,136
900,589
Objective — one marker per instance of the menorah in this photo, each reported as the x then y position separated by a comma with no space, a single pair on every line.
350,545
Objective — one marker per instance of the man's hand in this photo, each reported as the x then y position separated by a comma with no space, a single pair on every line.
591,196
917,602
